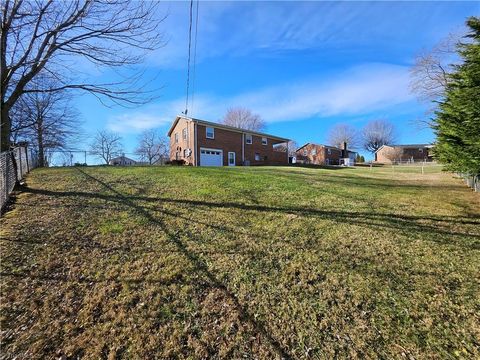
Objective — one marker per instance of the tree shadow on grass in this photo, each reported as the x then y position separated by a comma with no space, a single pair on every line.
201,266
382,220
393,221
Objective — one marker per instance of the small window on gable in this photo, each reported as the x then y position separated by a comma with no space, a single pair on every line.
264,141
184,132
176,137
248,138
210,132
420,151
314,152
257,157
329,151
305,152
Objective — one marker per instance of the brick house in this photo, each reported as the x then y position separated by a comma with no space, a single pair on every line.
404,153
318,154
204,143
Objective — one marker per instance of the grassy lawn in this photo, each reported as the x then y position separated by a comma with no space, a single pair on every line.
171,262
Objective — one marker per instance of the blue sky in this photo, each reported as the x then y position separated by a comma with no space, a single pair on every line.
303,66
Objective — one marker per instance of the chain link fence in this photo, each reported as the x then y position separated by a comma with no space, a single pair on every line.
14,164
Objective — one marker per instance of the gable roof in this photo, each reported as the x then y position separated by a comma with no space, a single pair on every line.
222,126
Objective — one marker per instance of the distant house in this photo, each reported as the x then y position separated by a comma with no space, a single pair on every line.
318,154
404,153
122,161
203,143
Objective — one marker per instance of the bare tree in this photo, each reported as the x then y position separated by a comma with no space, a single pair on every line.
377,133
341,133
243,118
151,146
47,120
106,146
51,36
429,74
394,154
292,147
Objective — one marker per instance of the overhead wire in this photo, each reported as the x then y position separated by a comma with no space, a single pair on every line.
189,53
195,55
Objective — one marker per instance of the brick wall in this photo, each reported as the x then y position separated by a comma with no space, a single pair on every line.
224,140
266,153
227,141
321,156
415,153
177,148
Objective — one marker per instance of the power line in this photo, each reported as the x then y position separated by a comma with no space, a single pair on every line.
195,54
189,51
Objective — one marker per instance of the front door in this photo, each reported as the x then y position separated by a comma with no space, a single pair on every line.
231,158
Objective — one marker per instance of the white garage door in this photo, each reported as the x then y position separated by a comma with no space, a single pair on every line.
211,157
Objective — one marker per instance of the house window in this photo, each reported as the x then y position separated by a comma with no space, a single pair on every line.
305,152
184,132
210,133
257,157
314,152
264,141
248,138
329,151
176,138
420,151
186,153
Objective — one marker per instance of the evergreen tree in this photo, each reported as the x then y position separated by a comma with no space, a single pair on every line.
457,124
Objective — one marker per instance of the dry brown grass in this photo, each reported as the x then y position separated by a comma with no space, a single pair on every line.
240,263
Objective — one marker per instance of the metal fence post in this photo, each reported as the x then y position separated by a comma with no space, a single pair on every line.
20,167
26,159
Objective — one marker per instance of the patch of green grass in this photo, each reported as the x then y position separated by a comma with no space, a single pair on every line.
110,227
293,262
